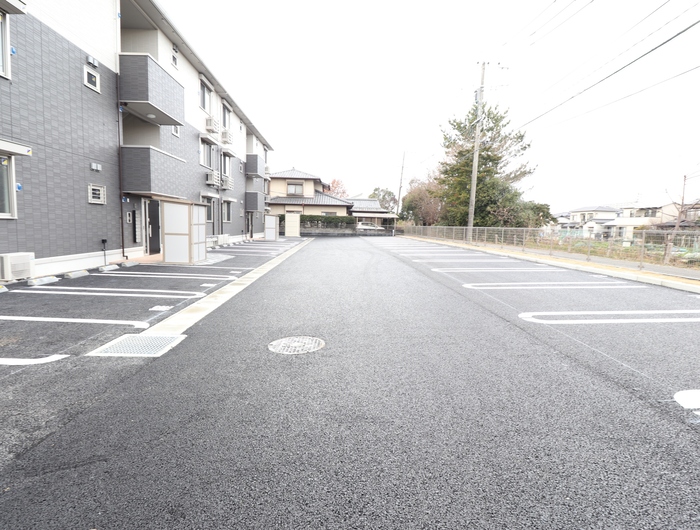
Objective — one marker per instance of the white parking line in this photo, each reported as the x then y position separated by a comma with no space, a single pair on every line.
130,295
534,317
134,323
174,276
688,399
501,269
26,362
97,291
477,260
553,285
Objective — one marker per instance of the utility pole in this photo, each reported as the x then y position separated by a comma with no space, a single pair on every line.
398,199
475,164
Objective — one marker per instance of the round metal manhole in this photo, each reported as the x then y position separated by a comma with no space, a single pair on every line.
295,345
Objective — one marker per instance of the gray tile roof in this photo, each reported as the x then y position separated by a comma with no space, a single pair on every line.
322,199
367,205
294,174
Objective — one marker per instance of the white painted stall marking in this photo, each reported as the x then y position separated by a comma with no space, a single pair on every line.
478,260
535,317
92,291
502,269
553,285
166,276
7,361
134,323
688,399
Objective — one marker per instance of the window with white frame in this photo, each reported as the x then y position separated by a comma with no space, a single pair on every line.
206,154
295,188
176,130
7,189
226,165
225,117
91,78
210,213
205,96
4,46
97,194
226,211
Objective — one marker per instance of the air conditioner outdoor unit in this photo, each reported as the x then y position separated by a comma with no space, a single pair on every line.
16,266
227,137
213,178
212,125
227,183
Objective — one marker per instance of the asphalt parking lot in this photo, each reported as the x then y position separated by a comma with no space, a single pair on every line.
72,315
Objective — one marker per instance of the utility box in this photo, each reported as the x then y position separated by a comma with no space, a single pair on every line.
16,266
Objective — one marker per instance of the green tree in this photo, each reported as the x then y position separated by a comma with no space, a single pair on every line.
498,202
387,198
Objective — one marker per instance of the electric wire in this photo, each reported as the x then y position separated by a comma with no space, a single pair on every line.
531,21
612,74
555,16
621,53
640,41
635,93
561,23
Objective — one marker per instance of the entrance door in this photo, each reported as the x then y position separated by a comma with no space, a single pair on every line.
153,223
249,229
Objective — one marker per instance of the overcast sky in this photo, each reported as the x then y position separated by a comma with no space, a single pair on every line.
343,89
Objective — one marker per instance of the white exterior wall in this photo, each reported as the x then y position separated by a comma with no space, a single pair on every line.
92,25
254,146
140,41
239,135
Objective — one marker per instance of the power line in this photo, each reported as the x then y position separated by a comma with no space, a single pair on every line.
641,40
628,49
528,24
562,22
635,93
555,16
612,74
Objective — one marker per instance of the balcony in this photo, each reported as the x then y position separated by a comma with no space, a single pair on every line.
255,166
149,92
147,169
254,201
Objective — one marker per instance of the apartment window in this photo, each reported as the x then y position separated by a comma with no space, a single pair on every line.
226,165
206,154
7,188
91,78
210,212
225,117
174,60
205,97
97,194
226,212
4,46
294,188
176,130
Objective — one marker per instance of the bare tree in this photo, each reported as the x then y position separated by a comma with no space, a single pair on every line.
338,189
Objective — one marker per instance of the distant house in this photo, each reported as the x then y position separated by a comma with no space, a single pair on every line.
293,191
369,210
589,221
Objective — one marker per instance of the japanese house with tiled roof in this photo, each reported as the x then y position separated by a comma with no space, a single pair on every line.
293,191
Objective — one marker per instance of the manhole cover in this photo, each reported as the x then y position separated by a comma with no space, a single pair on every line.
294,345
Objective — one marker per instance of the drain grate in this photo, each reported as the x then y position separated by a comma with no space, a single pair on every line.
138,346
295,345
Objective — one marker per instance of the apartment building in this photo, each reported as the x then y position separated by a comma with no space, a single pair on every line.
116,140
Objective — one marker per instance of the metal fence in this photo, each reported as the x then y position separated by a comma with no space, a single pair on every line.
662,247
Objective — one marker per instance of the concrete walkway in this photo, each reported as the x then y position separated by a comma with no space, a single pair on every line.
666,276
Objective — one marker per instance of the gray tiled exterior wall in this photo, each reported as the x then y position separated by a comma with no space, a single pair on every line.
68,125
